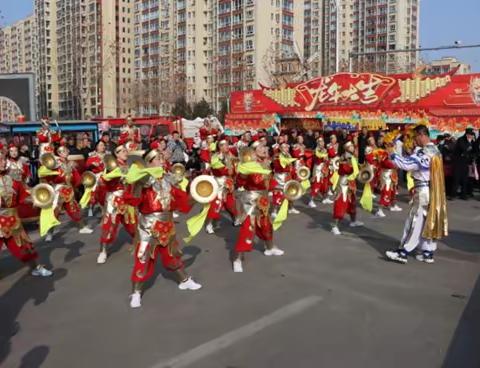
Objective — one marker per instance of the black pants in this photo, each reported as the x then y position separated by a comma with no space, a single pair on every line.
460,179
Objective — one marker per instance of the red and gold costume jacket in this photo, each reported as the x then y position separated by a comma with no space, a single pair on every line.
12,194
46,138
388,183
320,178
205,132
96,165
119,199
157,201
64,180
19,169
130,137
345,198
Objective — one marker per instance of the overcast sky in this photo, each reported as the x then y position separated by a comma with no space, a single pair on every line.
442,23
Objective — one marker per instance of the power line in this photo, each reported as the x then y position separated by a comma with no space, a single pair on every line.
352,54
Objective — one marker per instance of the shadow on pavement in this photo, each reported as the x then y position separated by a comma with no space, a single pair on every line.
463,240
191,251
464,349
12,302
35,357
378,241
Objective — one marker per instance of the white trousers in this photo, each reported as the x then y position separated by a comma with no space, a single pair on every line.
412,232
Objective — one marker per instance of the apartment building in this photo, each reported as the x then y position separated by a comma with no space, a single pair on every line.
354,27
445,65
313,37
85,57
18,54
206,49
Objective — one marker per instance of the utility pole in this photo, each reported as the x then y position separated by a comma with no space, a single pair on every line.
384,52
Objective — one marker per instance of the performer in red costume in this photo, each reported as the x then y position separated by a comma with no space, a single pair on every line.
118,202
345,197
223,169
320,175
12,233
207,129
255,177
388,188
18,167
283,171
47,137
64,178
157,234
96,165
130,136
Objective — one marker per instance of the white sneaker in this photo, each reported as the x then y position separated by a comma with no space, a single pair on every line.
85,230
175,215
312,204
237,222
268,252
293,211
336,231
427,258
189,284
102,257
49,238
277,252
237,265
327,201
90,212
396,208
396,256
136,300
379,214
41,271
209,228
356,223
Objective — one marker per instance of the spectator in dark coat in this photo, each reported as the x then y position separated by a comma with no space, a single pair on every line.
463,157
309,140
362,144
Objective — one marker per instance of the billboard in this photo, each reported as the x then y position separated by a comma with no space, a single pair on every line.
20,89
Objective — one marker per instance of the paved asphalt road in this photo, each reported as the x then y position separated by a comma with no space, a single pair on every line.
329,302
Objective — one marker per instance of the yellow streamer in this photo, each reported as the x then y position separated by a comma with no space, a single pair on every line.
216,163
47,220
305,185
354,174
114,174
43,172
410,183
281,215
247,168
195,223
85,200
285,161
184,184
367,198
334,179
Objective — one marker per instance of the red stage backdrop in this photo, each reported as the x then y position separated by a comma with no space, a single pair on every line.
448,102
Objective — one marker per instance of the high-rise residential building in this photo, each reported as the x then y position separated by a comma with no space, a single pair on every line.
18,54
313,37
353,27
206,49
86,57
445,65
47,76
